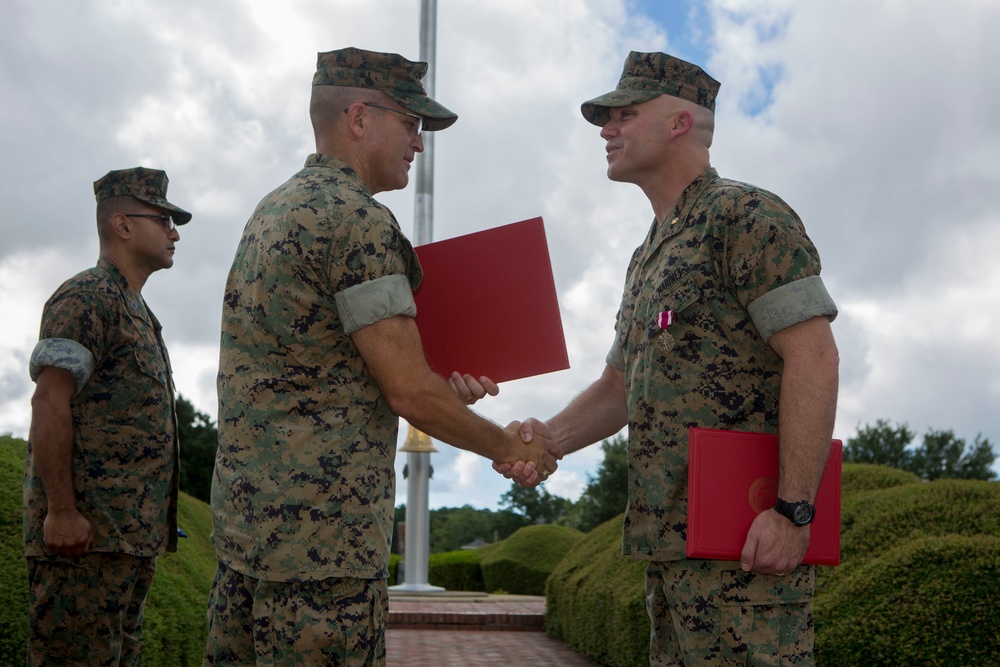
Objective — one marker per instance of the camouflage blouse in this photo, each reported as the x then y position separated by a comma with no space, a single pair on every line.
125,449
304,483
734,265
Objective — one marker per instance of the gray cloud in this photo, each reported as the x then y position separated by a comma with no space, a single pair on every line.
877,121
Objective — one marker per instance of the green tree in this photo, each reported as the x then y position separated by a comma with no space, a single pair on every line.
881,444
199,439
940,455
454,527
606,495
943,455
536,504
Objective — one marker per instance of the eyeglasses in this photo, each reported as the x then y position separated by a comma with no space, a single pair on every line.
418,120
166,220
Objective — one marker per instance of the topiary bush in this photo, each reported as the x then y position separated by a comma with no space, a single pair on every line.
456,570
393,566
902,542
860,477
175,628
596,600
521,563
933,601
13,570
874,521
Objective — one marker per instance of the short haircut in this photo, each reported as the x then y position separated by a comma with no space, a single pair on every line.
106,208
327,103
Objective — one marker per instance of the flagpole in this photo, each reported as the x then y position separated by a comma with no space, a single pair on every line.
418,446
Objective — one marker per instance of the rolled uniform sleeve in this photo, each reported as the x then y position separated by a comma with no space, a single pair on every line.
616,356
773,266
373,270
72,335
65,354
365,304
791,304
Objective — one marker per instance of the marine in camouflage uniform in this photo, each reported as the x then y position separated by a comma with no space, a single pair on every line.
733,266
319,354
101,473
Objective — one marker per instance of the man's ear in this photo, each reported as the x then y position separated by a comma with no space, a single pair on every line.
358,119
682,123
121,227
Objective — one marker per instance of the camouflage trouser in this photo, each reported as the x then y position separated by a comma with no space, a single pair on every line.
87,610
705,612
328,622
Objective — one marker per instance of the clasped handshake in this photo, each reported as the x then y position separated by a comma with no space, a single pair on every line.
532,454
537,457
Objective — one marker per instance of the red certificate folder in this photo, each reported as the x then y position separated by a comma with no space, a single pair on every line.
487,304
732,477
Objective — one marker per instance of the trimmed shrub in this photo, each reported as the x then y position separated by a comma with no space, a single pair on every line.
175,626
175,629
932,602
456,570
596,600
13,570
521,563
860,477
393,566
872,521
902,542
875,521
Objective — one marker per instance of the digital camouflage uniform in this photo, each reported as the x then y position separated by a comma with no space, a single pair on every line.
125,465
304,482
303,491
125,457
734,264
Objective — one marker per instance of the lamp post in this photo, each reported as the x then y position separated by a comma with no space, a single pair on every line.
418,448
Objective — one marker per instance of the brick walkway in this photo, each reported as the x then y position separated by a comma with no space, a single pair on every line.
453,630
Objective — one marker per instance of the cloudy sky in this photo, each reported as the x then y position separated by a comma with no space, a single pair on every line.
877,120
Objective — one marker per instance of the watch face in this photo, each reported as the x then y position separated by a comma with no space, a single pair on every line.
802,514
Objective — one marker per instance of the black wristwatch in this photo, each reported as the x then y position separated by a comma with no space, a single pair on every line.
800,513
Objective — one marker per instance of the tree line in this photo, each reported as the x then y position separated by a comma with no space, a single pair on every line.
941,454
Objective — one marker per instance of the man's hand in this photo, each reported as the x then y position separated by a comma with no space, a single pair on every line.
774,545
471,390
68,533
523,471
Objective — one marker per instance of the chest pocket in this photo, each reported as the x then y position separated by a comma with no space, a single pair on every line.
147,352
674,353
151,362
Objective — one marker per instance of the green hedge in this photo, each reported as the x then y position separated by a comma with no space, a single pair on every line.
13,571
175,628
393,566
903,544
860,477
933,602
521,563
595,600
873,522
456,570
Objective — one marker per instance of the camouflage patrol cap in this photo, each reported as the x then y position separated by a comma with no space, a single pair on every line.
390,73
649,75
146,185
